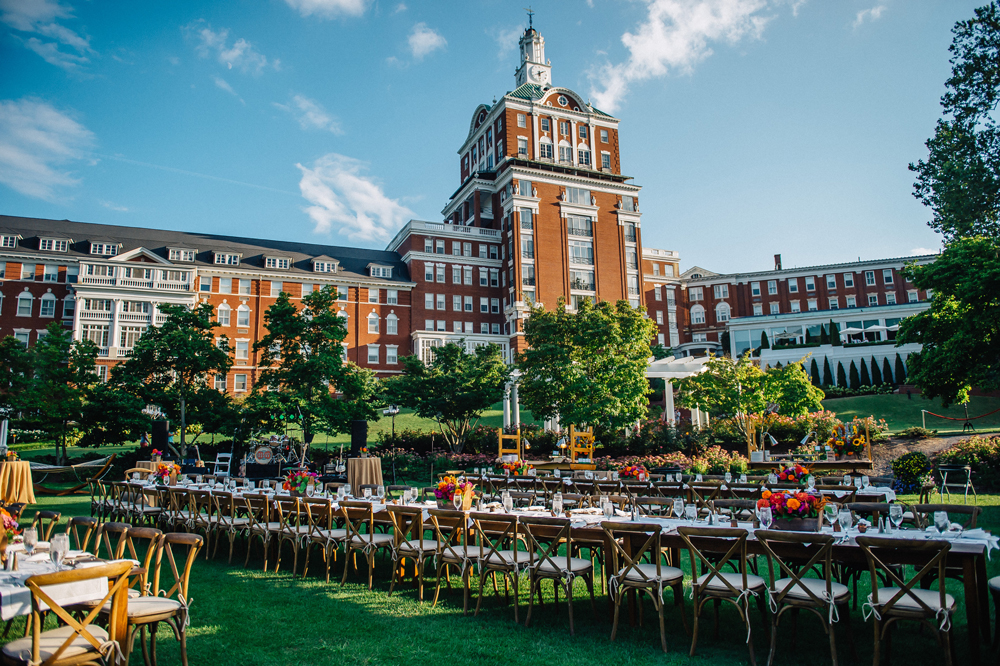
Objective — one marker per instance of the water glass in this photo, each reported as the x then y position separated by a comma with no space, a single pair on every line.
380,491
508,503
310,490
698,478
765,517
772,478
456,499
896,515
811,482
340,493
865,481
135,476
691,512
30,539
847,479
347,489
857,482
729,477
557,504
831,513
678,507
679,476
743,478
58,548
199,479
845,519
614,476
368,493
941,521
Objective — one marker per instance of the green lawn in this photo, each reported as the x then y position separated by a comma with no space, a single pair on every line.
245,616
900,412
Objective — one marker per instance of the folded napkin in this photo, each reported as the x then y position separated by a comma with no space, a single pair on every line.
535,508
592,511
622,514
493,505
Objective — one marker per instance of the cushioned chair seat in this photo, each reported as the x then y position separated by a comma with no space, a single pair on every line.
506,558
417,546
332,535
930,597
377,539
667,574
815,585
556,564
734,579
994,583
147,606
20,650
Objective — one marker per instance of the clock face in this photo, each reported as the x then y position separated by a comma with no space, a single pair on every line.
538,73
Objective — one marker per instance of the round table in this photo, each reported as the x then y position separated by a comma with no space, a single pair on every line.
15,482
362,471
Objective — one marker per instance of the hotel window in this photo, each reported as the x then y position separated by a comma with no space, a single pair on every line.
656,270
225,285
277,287
911,297
441,305
524,188
442,325
810,283
48,306
483,251
581,252
631,259
227,259
495,305
775,308
96,333
755,288
243,316
811,303
604,136
565,154
522,146
657,293
577,195
373,323
605,160
53,245
834,303
793,285
890,298
545,150
106,249
794,306
372,295
176,254
494,277
440,273
851,302
484,279
428,324
467,275
694,294
772,287
69,307
8,241
697,315
239,383
341,293
205,284
521,120
439,247
468,303
428,272
429,245
392,297
24,301
391,354
392,325
582,131
758,309
872,299
50,274
870,278
659,317
456,303
324,267
722,312
699,337
564,128
428,301
583,156
28,271
527,218
382,271
887,276
130,335
722,291
527,250
484,328
220,382
244,287
831,281
660,339
456,326
222,315
848,279
242,349
456,248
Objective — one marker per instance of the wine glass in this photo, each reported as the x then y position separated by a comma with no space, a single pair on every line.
368,493
811,482
135,476
557,504
845,519
678,507
310,489
941,521
508,502
729,477
456,499
765,517
857,482
831,513
847,479
30,539
58,549
865,481
691,512
743,478
380,491
896,515
679,476
347,489
608,508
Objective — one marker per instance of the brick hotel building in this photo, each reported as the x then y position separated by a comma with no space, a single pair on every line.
542,212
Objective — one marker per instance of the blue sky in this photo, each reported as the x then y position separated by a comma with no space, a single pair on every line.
754,126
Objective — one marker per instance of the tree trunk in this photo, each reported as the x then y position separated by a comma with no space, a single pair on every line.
183,449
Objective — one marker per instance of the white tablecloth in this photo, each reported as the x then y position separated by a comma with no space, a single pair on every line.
15,597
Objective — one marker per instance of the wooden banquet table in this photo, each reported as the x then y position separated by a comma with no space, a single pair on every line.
361,471
15,482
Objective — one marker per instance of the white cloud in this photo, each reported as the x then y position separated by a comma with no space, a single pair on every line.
37,142
676,35
869,15
507,40
344,198
222,84
399,9
923,250
424,40
311,114
38,17
113,206
329,8
240,54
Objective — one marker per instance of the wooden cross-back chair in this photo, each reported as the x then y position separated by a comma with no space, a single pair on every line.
630,543
702,494
654,506
44,522
790,589
228,521
201,509
257,510
289,528
452,535
81,529
905,599
79,640
741,509
838,494
545,538
359,521
321,531
409,543
709,549
112,538
497,536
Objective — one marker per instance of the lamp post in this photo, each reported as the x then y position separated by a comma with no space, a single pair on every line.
392,410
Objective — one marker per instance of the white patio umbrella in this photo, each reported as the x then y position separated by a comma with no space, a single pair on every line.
671,368
850,330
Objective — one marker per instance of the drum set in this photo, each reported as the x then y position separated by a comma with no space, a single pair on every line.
276,450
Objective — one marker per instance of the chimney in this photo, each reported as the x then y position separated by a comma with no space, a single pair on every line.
777,262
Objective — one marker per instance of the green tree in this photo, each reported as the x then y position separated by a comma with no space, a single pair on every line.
876,373
659,351
112,416
809,338
764,344
900,370
814,372
304,369
887,371
172,365
824,338
835,334
855,378
866,379
959,181
841,375
454,389
588,367
827,372
15,373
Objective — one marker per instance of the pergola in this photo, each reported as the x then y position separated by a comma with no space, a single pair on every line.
671,368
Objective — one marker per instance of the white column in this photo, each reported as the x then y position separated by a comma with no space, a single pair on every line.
114,332
515,405
506,409
670,402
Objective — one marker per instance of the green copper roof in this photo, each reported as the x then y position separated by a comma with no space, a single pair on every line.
533,91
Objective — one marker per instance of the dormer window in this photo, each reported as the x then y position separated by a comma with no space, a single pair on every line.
325,266
104,249
8,241
227,259
53,245
281,263
181,254
381,271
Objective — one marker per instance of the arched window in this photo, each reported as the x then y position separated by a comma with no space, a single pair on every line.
373,323
48,306
243,316
223,315
392,324
722,312
697,314
24,301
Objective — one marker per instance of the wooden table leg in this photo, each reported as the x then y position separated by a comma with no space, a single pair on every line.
971,606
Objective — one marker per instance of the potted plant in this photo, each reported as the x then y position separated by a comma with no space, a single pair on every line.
794,511
448,487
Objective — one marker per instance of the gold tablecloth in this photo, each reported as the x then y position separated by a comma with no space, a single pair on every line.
15,482
146,464
362,471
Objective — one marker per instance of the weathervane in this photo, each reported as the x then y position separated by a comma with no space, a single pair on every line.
531,14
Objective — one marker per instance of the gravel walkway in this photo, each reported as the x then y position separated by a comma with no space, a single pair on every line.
884,454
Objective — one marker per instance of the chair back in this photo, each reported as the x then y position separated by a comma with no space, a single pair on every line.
634,488
743,491
782,546
704,492
545,537
113,537
644,540
881,553
740,508
257,509
869,510
839,494
318,512
730,541
359,520
451,533
225,509
925,513
117,575
493,531
670,489
81,529
286,509
142,544
45,522
407,522
654,506
180,547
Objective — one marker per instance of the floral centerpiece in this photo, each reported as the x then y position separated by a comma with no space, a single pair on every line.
166,473
297,482
10,530
848,440
450,486
792,474
364,451
157,455
633,472
518,468
797,511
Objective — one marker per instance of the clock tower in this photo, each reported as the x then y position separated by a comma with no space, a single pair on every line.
534,67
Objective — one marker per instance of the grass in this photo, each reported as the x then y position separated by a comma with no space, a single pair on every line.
900,412
244,616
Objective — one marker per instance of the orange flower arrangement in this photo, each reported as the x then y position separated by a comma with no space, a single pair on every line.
163,472
789,504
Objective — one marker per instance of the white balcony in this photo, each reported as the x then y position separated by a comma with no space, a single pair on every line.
134,283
